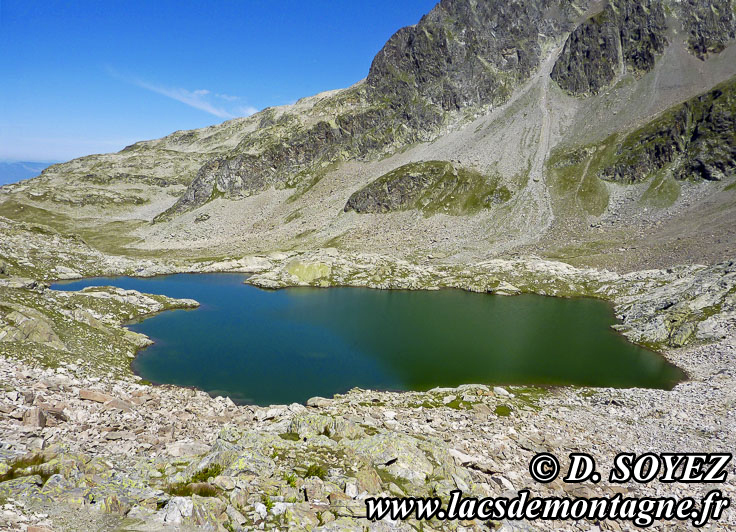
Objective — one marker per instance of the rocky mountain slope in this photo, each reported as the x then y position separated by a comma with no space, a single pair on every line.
603,123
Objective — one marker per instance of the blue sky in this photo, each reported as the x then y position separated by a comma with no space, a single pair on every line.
89,77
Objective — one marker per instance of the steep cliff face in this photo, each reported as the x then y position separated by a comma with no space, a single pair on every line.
626,35
467,53
697,137
629,36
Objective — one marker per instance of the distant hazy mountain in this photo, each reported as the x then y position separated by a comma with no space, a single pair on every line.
12,172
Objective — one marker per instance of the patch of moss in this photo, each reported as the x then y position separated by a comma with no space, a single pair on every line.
372,403
529,396
459,404
503,410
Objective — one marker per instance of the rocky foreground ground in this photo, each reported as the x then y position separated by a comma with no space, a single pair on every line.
86,445
81,452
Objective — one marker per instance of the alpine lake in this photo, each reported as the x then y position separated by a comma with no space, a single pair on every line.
282,346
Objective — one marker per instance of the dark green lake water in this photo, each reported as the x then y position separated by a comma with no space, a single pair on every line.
269,347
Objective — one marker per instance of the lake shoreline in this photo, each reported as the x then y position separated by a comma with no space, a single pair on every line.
359,335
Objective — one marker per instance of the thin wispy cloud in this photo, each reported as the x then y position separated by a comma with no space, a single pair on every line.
201,99
246,110
196,99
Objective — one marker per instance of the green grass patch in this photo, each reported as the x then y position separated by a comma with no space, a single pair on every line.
210,471
34,215
113,237
293,216
268,502
306,233
315,470
663,191
529,396
203,489
573,178
198,484
459,404
290,479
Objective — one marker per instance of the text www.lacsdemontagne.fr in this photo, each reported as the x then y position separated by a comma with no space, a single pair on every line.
641,512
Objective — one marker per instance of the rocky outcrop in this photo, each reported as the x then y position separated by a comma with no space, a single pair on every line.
301,157
626,34
700,306
466,53
710,25
432,186
22,324
37,323
696,138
